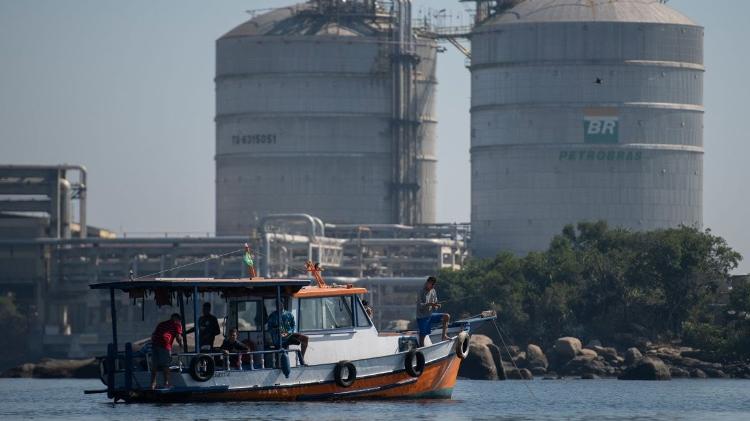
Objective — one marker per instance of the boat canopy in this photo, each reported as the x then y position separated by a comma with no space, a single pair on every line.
228,286
328,291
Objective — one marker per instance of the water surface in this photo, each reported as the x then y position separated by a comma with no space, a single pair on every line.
29,399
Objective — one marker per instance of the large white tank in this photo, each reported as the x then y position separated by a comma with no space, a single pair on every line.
305,118
584,110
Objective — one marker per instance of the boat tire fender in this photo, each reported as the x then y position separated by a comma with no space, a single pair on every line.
414,370
351,373
462,345
202,367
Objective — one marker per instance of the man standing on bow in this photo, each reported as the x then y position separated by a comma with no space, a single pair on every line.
427,303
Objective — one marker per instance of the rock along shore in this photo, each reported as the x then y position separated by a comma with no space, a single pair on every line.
486,361
49,368
569,358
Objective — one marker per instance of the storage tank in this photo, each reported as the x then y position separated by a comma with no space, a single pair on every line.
325,108
584,110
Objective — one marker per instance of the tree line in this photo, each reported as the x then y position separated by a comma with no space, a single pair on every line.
598,282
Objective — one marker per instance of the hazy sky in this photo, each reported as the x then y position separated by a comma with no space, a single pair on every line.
126,89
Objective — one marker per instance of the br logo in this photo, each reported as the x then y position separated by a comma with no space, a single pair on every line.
601,126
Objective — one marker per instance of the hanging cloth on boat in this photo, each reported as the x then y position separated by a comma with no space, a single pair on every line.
136,293
162,297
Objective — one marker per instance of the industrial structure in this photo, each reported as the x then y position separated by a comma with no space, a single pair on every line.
583,110
45,190
325,151
46,264
326,108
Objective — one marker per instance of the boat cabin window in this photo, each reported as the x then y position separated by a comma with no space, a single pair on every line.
269,305
248,316
245,316
362,319
325,313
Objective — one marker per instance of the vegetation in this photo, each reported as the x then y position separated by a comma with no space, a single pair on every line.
15,327
596,282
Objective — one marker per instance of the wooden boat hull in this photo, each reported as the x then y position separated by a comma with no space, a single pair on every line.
435,382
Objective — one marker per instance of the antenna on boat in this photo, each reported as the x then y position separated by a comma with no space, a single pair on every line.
315,269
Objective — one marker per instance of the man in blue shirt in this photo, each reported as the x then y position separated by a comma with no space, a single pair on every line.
287,330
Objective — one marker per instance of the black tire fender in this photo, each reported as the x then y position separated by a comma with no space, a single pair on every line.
462,345
202,367
414,370
338,372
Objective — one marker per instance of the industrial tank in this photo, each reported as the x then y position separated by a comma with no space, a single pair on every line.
583,110
325,108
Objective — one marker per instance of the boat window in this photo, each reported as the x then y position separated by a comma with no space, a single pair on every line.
325,313
338,312
231,319
362,319
248,316
310,314
269,305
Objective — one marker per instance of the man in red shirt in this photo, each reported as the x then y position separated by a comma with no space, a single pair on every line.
161,340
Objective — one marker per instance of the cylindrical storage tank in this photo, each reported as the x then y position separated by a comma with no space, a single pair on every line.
304,118
581,111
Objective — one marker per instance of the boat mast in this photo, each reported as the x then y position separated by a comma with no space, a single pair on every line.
278,317
195,320
182,316
113,314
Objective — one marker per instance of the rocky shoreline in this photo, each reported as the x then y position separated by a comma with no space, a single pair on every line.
48,368
568,358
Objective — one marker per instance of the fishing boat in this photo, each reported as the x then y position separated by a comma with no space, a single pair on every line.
346,356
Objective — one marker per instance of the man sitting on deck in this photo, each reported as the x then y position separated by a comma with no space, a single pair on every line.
232,345
161,340
287,330
427,302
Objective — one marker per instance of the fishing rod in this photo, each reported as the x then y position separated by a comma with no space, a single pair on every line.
460,299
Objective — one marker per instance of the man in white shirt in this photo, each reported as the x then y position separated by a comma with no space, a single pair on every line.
427,303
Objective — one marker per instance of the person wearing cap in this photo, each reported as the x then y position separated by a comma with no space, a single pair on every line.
161,341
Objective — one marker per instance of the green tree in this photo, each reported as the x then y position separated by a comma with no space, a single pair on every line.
15,327
596,281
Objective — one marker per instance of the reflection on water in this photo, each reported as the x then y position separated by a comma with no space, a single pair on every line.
550,400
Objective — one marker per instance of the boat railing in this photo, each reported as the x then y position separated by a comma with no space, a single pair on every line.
129,362
234,361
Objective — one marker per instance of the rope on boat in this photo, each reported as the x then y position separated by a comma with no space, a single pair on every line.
256,253
189,264
494,322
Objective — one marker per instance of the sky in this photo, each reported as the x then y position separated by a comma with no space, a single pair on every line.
126,89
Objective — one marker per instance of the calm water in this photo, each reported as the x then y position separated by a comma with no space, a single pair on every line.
556,399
